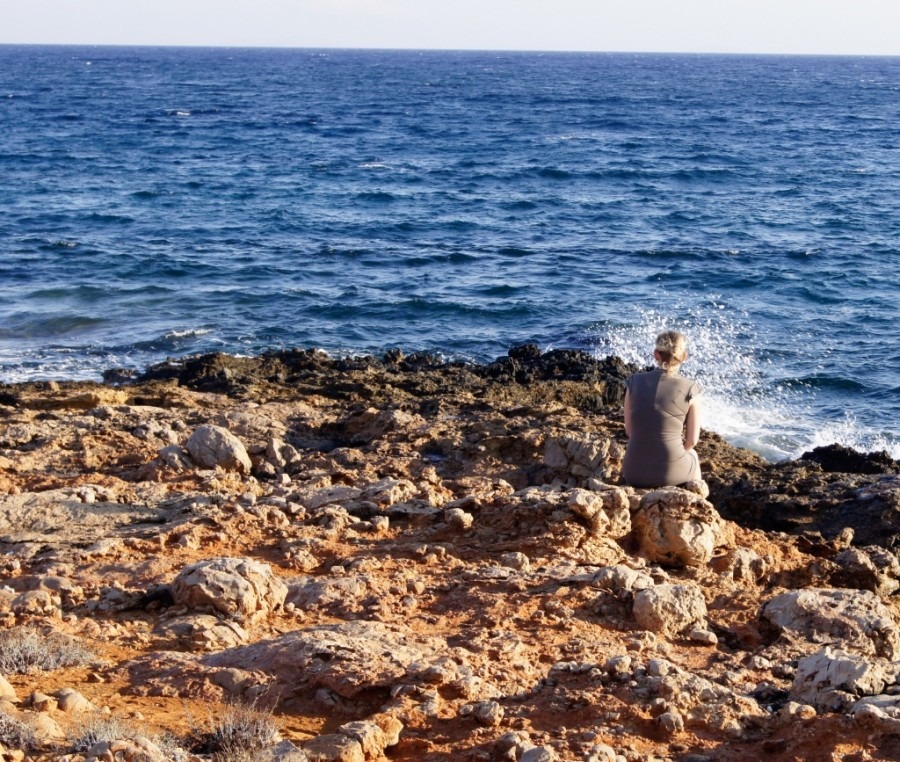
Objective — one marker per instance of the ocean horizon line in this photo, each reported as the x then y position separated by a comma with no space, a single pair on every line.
462,50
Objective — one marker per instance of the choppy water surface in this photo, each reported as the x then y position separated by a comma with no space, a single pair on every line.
158,202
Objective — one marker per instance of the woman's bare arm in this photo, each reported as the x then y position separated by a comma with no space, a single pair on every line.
691,425
627,414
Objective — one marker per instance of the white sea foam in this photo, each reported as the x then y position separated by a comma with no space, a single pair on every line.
187,333
743,400
848,432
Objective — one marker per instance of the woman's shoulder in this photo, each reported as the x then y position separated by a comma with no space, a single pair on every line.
692,388
677,381
636,377
646,373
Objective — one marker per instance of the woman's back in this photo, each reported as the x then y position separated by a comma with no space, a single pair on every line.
658,405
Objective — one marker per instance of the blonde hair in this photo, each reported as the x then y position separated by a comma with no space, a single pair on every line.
671,349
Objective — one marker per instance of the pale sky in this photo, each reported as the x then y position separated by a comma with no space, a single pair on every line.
859,27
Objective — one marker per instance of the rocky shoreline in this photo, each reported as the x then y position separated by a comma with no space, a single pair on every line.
410,559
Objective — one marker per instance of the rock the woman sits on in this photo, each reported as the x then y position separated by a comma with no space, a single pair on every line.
662,420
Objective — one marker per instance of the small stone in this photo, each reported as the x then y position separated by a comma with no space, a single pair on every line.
516,561
619,666
706,637
459,519
601,753
334,748
369,735
539,754
670,609
670,722
212,446
796,711
71,701
488,713
41,702
242,588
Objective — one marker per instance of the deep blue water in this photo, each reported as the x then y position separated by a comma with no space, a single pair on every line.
159,202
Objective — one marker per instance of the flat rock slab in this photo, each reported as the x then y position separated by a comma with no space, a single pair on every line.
855,618
55,516
346,658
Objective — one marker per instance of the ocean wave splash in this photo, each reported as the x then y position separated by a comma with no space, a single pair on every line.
747,399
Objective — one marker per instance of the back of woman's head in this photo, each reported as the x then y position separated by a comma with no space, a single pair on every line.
671,349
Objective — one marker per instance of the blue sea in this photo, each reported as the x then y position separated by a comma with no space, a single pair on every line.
158,202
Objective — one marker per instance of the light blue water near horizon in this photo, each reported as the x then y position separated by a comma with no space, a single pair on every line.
165,201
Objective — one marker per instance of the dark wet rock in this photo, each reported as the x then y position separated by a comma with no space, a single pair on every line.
827,491
835,458
119,375
525,364
421,374
8,398
801,497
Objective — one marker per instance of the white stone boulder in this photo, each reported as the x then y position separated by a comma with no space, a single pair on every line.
241,588
71,701
211,446
881,713
856,618
670,610
374,735
831,680
334,747
606,510
676,527
621,579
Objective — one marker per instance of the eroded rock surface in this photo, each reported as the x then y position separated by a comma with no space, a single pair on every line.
239,587
412,559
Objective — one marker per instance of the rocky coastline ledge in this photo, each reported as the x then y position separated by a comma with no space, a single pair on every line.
297,557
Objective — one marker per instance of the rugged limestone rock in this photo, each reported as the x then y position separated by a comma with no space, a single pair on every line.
607,509
583,457
831,679
213,446
203,632
857,619
239,587
670,610
344,658
676,527
428,560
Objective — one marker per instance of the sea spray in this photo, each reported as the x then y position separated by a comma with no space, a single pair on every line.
743,399
746,397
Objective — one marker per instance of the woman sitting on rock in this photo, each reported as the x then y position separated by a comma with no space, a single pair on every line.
662,420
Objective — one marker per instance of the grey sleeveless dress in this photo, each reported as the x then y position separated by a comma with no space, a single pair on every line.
655,456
